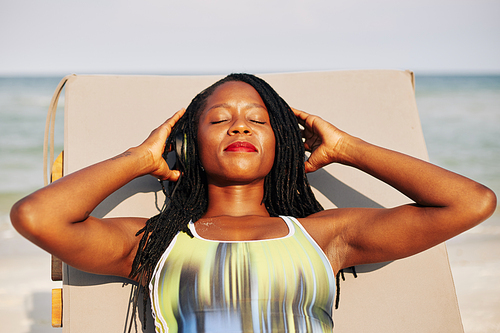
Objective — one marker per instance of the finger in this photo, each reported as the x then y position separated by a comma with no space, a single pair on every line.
173,176
301,116
175,118
313,163
165,129
305,119
299,113
309,167
308,146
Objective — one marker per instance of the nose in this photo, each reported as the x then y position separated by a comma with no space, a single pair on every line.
240,126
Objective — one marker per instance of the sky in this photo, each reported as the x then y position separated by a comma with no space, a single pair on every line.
58,37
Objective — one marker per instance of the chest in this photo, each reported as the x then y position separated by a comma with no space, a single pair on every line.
244,281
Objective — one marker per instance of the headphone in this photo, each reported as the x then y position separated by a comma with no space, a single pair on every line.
178,145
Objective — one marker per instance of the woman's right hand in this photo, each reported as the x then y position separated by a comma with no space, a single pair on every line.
57,217
154,146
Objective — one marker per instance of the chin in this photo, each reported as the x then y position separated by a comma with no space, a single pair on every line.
238,175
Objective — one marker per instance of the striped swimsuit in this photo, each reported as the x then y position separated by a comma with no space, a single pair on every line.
274,285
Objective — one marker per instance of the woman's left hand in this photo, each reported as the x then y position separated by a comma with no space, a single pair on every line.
324,141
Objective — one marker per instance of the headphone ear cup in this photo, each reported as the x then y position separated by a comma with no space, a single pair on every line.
181,149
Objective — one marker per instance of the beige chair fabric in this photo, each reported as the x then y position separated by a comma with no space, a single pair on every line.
105,115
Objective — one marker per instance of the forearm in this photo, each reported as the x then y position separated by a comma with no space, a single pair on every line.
428,185
73,197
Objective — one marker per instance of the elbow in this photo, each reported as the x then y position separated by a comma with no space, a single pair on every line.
484,204
23,218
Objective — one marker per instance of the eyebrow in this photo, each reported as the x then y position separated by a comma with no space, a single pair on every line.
228,106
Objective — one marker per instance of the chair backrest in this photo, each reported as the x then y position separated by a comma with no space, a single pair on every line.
105,115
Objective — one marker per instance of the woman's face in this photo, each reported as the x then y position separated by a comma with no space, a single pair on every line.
235,139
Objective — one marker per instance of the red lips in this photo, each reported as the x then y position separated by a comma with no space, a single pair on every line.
241,146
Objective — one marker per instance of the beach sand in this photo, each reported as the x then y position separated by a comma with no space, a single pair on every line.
25,285
475,262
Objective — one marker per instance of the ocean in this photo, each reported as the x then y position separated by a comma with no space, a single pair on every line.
460,117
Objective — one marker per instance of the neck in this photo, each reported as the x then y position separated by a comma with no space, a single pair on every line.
236,200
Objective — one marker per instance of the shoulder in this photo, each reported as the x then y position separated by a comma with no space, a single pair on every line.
325,228
331,230
325,220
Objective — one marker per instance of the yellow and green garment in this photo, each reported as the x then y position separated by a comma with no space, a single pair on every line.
274,285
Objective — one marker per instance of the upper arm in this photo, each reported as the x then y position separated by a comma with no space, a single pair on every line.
102,246
354,236
376,235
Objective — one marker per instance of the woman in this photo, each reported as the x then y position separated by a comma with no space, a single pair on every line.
241,165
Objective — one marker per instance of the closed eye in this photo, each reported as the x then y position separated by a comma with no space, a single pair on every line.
218,121
258,122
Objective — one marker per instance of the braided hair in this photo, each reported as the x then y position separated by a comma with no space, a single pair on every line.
286,188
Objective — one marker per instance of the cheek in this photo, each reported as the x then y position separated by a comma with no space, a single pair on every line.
202,145
207,146
270,146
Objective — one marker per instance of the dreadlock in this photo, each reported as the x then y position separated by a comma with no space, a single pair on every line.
286,189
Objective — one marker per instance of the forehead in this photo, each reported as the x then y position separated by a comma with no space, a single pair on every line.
234,92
